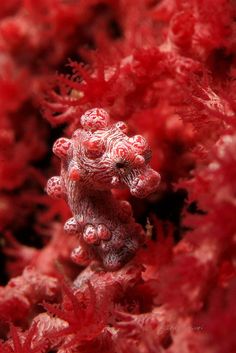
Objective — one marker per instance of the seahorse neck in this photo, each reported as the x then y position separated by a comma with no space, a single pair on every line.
84,200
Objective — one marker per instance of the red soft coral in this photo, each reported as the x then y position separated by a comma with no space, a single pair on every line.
166,68
19,299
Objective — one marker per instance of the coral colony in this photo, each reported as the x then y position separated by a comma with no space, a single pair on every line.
131,247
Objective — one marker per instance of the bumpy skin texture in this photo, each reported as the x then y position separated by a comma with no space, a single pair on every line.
98,158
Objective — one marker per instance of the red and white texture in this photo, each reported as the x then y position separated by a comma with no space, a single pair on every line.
100,157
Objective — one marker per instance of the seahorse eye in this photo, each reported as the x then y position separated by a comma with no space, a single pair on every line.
120,165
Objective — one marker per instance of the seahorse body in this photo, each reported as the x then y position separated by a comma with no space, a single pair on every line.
98,158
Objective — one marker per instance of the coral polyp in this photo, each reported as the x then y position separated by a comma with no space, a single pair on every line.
98,158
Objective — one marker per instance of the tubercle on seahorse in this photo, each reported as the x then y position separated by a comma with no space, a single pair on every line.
98,158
